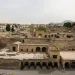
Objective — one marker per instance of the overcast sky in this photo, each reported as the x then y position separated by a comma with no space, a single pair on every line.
36,11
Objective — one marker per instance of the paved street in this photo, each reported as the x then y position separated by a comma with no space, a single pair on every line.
37,72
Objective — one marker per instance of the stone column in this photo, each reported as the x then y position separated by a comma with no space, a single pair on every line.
64,66
70,65
58,65
18,48
41,49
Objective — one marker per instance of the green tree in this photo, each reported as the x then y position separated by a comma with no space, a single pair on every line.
73,24
12,29
41,28
68,25
8,27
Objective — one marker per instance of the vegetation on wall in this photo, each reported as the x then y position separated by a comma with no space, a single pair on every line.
57,36
41,28
12,74
69,36
14,34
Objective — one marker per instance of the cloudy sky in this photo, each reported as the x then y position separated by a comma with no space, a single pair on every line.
36,11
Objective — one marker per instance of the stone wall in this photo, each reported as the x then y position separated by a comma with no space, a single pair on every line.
9,64
4,42
11,48
36,40
31,48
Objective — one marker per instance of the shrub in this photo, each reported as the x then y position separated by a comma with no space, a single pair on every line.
69,36
41,28
57,36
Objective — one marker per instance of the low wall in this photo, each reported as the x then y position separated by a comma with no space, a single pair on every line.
10,64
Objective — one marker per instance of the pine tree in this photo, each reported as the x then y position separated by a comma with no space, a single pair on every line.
8,27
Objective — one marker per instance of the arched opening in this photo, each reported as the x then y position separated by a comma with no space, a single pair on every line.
38,49
32,65
26,65
21,50
67,65
44,65
49,36
45,36
26,36
55,65
22,41
32,50
38,64
40,35
50,65
73,65
44,49
27,50
14,48
72,49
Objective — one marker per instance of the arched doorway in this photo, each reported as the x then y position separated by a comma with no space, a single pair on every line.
27,50
67,65
32,50
32,65
44,49
38,64
37,49
55,65
50,65
26,65
44,65
49,36
14,48
26,36
22,41
40,35
73,65
45,36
